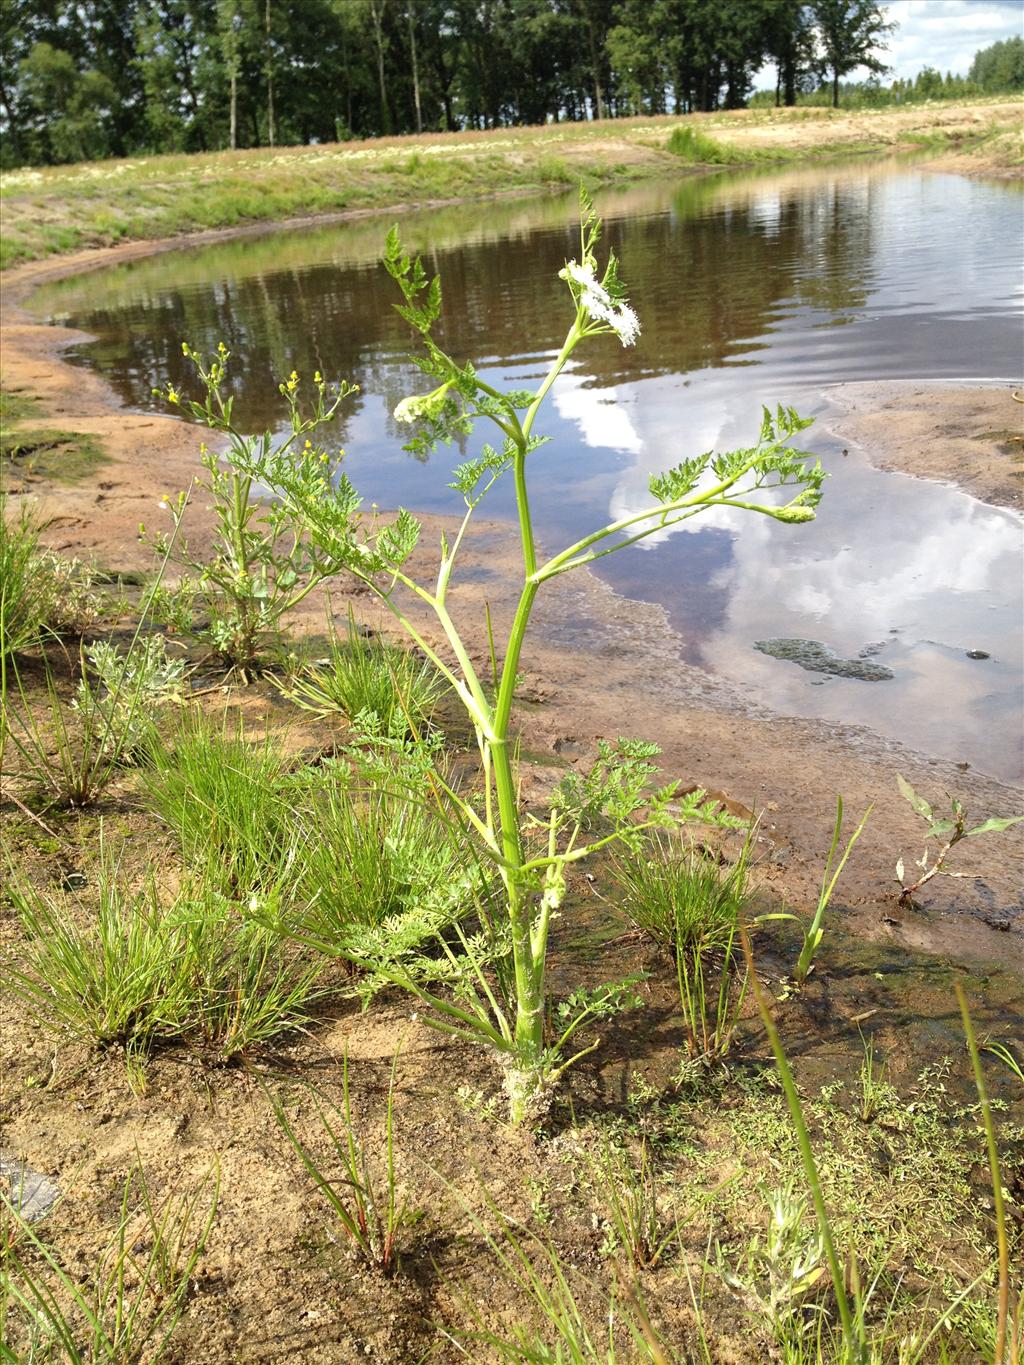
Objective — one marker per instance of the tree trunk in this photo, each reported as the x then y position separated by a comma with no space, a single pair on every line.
270,78
595,68
234,109
835,88
409,10
376,14
789,82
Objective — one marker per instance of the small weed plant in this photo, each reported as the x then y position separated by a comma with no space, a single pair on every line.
779,1271
262,565
874,1084
68,754
531,855
814,932
367,1206
629,1192
712,989
118,703
946,831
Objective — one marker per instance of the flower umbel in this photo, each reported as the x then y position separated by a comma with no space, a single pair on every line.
419,405
599,305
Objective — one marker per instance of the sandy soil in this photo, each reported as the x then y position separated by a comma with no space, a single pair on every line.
1001,155
973,437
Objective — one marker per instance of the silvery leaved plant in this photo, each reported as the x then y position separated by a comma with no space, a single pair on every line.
118,701
506,1007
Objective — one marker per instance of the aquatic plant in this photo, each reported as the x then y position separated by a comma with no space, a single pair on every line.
947,832
532,856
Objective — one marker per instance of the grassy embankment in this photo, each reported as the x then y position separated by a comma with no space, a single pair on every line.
62,209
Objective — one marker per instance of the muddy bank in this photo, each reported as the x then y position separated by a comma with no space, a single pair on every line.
971,436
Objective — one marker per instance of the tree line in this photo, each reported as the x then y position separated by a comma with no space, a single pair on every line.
89,79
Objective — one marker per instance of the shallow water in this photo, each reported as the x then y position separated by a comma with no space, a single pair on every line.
751,289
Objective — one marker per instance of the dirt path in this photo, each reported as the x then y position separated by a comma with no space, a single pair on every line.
599,665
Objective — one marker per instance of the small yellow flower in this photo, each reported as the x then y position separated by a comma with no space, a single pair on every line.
172,394
317,377
308,445
184,348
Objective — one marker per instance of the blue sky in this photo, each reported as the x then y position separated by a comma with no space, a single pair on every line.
940,33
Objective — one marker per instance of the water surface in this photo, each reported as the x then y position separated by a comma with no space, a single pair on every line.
751,289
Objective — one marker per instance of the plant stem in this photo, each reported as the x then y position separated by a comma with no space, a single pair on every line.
999,1208
853,1335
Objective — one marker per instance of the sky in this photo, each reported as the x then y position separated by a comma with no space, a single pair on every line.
940,33
947,33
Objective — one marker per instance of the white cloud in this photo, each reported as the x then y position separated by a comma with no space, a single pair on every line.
944,34
947,33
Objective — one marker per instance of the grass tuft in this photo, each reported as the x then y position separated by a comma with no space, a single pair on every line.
693,146
364,676
137,974
224,799
680,896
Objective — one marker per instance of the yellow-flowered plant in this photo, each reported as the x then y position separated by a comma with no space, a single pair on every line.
262,564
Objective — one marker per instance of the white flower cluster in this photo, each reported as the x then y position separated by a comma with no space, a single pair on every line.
600,305
420,405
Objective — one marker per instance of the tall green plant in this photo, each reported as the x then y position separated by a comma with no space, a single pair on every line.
532,857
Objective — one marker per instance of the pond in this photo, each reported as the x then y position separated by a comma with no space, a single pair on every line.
753,288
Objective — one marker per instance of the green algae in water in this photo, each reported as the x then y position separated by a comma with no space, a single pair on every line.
817,657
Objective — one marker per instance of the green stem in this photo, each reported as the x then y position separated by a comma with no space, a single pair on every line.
998,1206
853,1334
696,500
